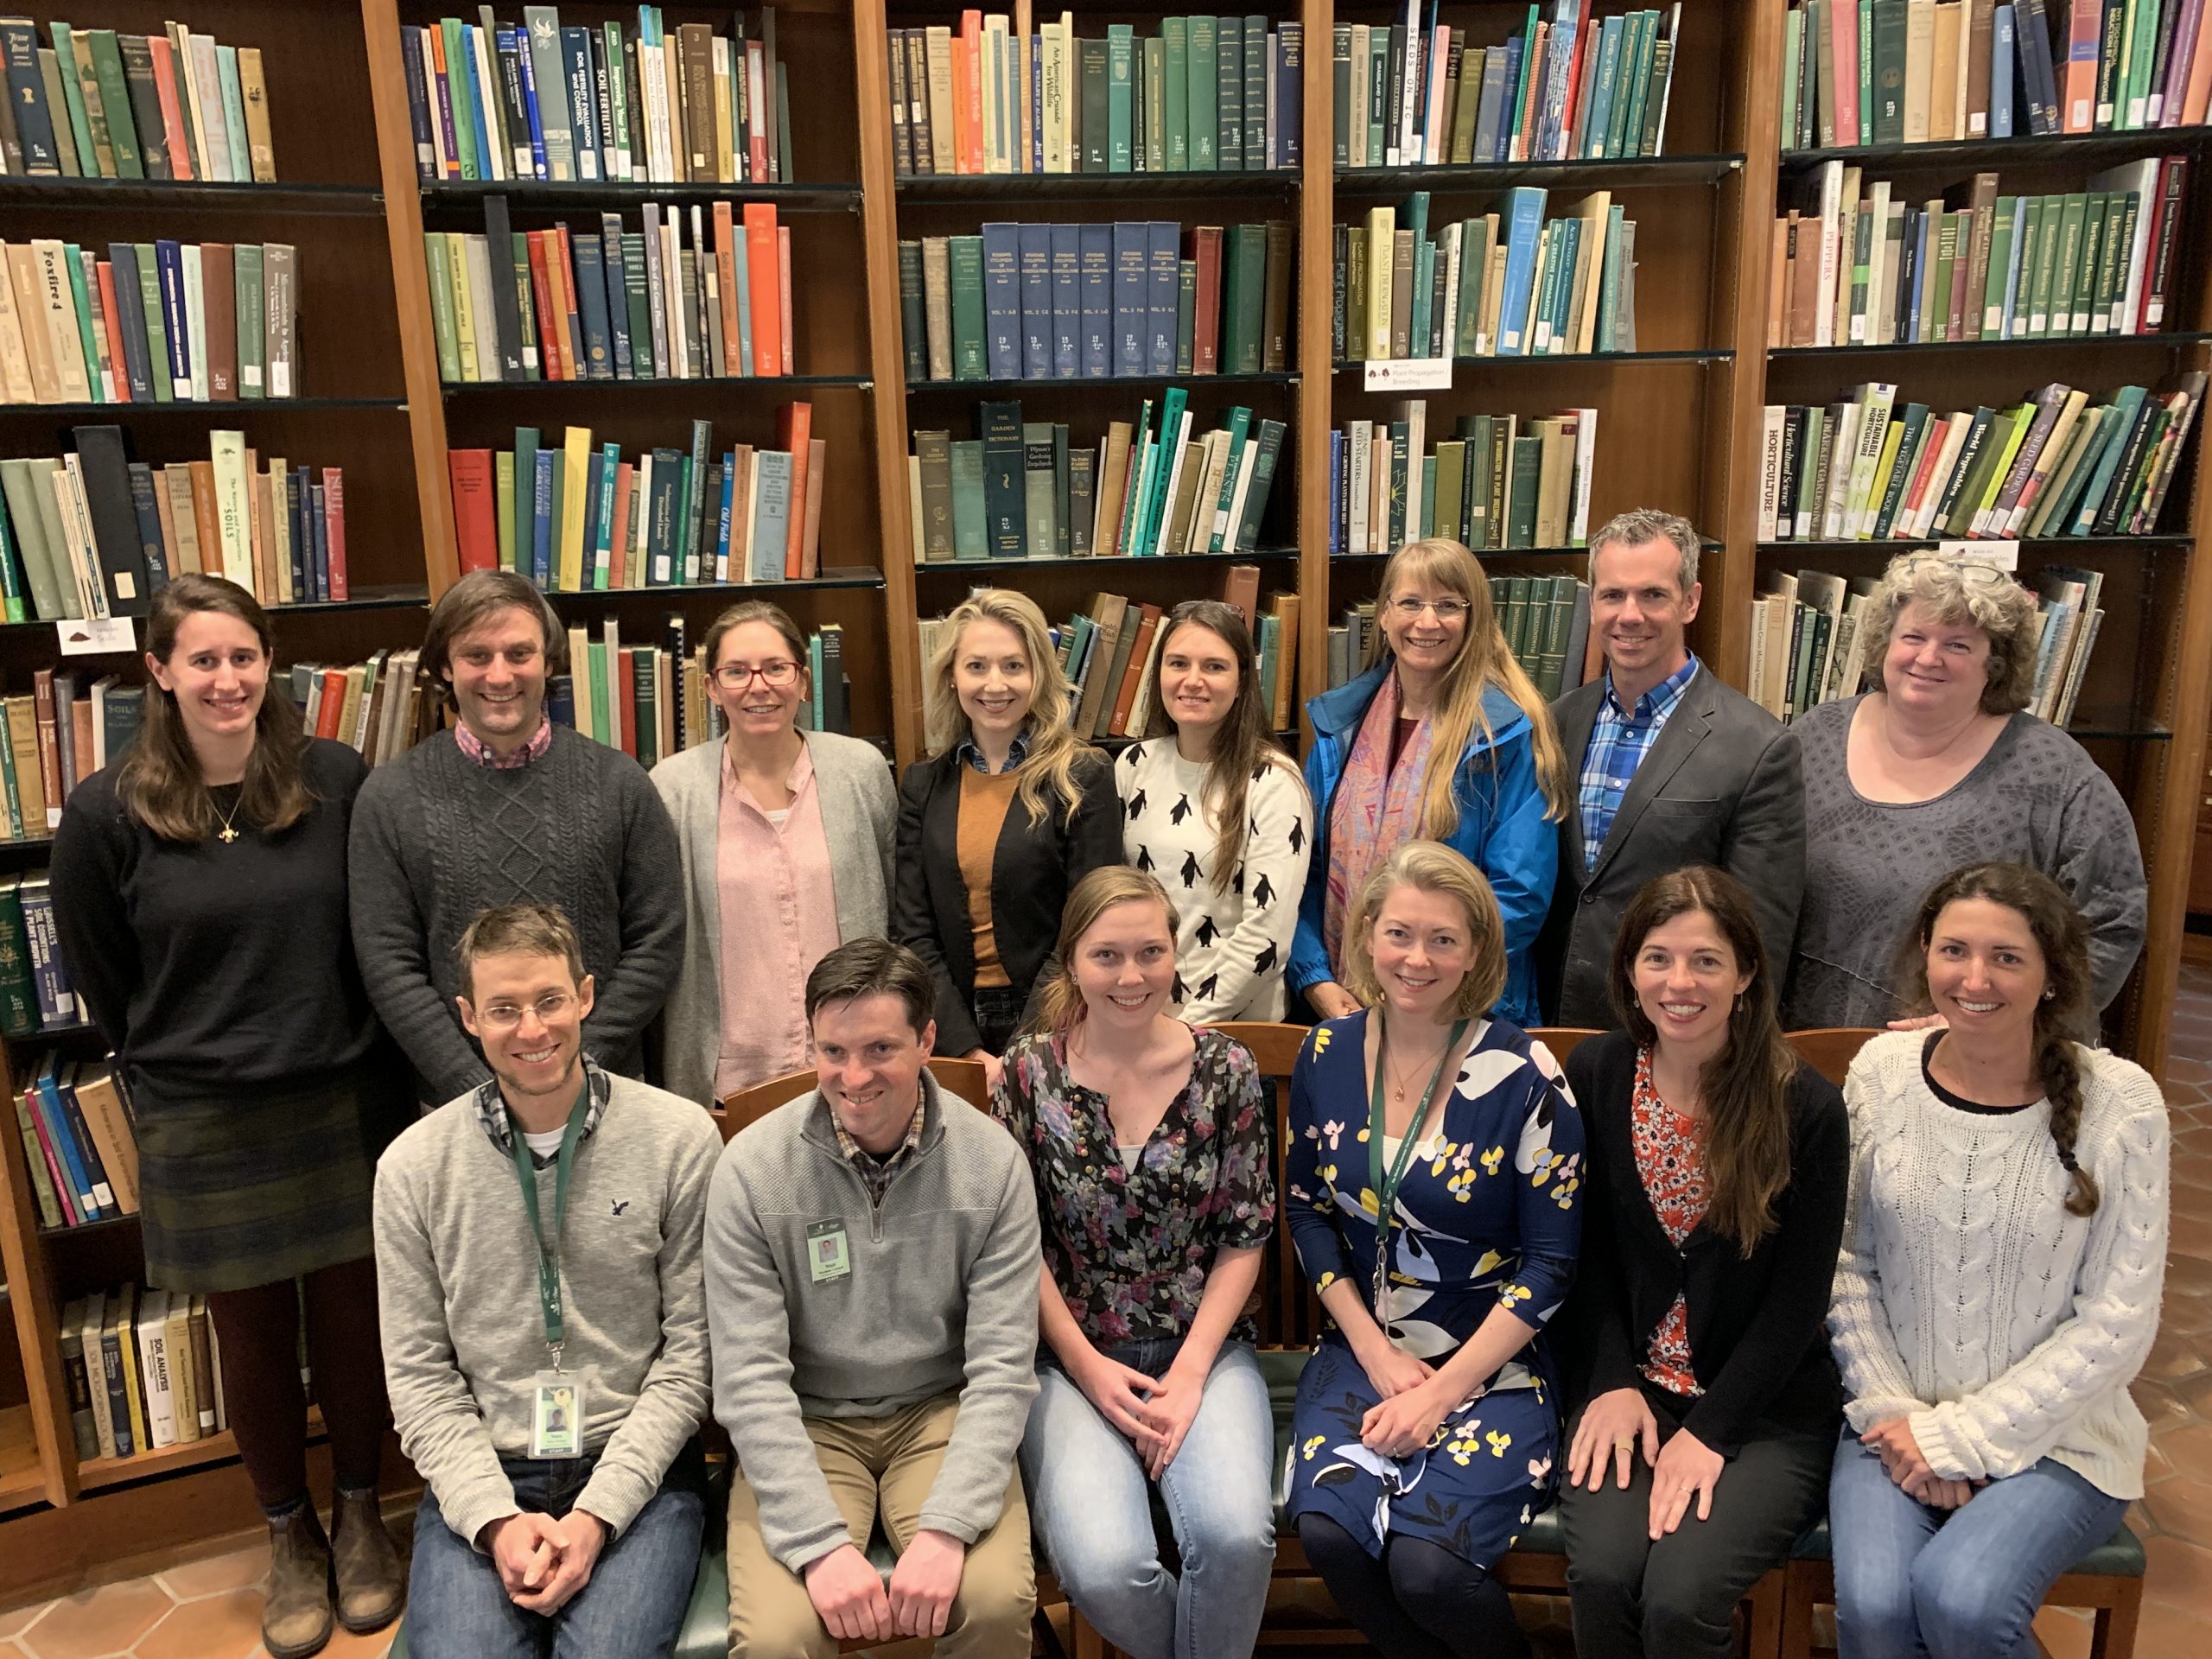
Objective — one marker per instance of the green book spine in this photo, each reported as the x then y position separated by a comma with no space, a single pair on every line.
73,94
913,321
1229,95
1424,270
460,89
2065,276
1528,473
157,334
637,296
1937,322
2041,312
442,324
503,474
1155,106
2112,290
85,297
596,671
1889,71
18,994
524,507
1186,311
1340,80
249,297
1793,47
1864,91
970,540
2099,222
1120,40
966,266
618,99
1448,485
1205,153
1175,93
115,98
2001,262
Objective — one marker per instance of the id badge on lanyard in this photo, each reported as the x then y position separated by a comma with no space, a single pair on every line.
557,1396
1385,1183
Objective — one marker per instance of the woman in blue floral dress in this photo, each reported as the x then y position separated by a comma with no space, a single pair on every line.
1426,1432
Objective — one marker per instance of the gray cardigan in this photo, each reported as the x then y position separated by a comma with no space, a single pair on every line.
860,813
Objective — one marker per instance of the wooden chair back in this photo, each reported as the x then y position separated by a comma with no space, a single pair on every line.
741,1110
1288,1313
1831,1049
1562,1040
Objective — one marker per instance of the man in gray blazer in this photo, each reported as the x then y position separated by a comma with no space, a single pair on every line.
1672,768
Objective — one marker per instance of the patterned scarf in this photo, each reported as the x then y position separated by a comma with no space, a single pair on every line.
1376,809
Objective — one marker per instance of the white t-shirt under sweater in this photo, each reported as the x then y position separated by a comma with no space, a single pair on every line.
1233,942
1970,1301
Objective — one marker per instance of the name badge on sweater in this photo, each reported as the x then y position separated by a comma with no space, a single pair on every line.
827,1255
556,1416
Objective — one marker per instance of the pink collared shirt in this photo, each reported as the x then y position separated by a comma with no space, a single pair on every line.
778,918
473,746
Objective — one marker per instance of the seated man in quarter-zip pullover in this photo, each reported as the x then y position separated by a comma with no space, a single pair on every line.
872,1259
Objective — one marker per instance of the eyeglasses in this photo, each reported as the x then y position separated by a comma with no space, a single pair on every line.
735,676
506,1016
1447,610
1979,571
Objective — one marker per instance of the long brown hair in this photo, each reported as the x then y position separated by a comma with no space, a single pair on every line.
1482,661
1059,1000
1054,749
1243,748
159,783
2064,1009
1746,1086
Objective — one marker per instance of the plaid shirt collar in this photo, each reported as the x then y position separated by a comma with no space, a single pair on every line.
1015,756
876,1174
1656,704
473,747
491,1111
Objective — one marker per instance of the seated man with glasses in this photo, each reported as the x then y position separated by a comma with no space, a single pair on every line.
785,837
544,1325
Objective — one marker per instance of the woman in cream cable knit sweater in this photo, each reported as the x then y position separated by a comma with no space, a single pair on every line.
1999,1282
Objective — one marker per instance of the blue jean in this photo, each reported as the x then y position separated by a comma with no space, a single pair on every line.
1090,1502
1958,1584
457,1608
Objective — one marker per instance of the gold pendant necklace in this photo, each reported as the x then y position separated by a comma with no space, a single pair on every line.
227,833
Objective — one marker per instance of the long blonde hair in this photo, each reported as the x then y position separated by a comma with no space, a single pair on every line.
1482,661
1054,750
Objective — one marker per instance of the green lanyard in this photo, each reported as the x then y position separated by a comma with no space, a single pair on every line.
548,1260
1385,1185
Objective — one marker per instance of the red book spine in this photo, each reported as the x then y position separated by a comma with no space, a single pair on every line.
475,514
572,336
629,678
794,426
1205,326
549,344
165,89
968,87
114,332
61,1184
760,92
617,567
761,277
333,519
333,702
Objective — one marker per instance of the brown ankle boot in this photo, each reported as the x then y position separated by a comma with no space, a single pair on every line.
371,1585
296,1617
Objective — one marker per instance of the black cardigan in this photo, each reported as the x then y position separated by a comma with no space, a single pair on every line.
1757,1340
1035,869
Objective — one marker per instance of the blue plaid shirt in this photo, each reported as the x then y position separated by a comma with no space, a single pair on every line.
1618,741
1014,756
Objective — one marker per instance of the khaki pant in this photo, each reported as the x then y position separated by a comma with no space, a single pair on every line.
882,1466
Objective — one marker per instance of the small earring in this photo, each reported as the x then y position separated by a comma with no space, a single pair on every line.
2048,993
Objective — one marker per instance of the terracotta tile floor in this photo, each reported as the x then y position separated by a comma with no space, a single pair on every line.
211,1608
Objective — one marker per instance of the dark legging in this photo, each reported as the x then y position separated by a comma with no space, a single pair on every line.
1418,1601
259,1330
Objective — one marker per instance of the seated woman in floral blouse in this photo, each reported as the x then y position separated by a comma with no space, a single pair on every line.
1149,1142
1427,1423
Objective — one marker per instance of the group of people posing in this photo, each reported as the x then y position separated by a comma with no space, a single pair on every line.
422,1052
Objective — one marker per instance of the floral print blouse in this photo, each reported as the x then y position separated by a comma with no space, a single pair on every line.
1670,1159
1130,1250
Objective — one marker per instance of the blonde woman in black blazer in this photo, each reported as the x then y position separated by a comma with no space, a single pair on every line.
1038,806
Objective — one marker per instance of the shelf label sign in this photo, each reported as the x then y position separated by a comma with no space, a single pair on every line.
1408,374
96,637
2006,556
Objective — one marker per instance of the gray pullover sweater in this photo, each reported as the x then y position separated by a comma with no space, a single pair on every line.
942,1298
457,1291
437,837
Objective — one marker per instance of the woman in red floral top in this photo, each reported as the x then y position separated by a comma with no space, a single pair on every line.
1149,1143
1717,1167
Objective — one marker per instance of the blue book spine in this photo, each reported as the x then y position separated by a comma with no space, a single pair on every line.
1067,301
529,104
1920,233
64,1144
2014,267
130,317
169,257
418,105
295,496
484,122
602,546
319,528
1505,117
1096,277
618,298
745,317
2000,73
1131,242
1290,94
1003,301
1336,493
1524,220
591,303
1036,102
583,100
1033,244
722,526
541,521
1164,270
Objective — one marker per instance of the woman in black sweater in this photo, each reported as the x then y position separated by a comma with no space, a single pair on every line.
199,893
1717,1168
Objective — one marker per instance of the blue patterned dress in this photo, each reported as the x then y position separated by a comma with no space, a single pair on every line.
1488,1211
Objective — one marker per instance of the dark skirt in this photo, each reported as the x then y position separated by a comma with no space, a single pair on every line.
261,1184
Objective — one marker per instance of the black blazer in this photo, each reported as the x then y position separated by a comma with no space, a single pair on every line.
1758,1343
1032,874
1721,785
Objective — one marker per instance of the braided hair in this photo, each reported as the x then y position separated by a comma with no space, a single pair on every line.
2063,1012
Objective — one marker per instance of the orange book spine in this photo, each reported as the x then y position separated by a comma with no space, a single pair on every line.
760,275
794,426
968,87
114,332
726,281
333,702
623,473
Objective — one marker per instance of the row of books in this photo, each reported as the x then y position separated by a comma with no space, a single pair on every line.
613,304
1509,284
552,103
1544,620
1042,302
1807,642
1199,95
78,1142
651,702
1975,264
580,517
1499,481
144,1369
1017,489
35,993
1912,72
1869,468
52,738
94,533
154,322
97,104
1575,88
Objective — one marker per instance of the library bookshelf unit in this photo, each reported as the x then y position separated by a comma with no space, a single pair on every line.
1680,422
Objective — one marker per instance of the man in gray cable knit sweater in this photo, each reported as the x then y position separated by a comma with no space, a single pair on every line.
872,1270
509,808
545,1346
